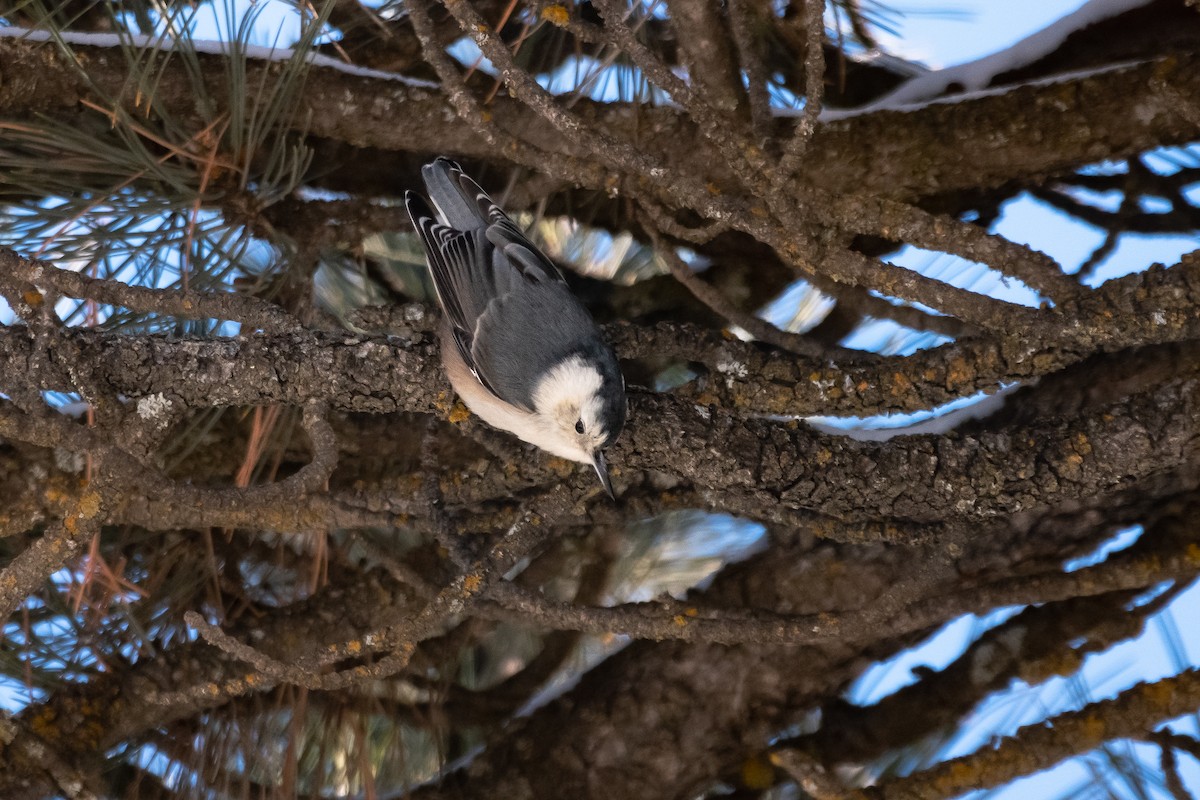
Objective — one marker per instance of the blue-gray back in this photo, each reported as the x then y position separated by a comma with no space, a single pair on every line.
511,313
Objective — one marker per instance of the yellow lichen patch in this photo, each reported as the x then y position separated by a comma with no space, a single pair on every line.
472,583
958,774
55,493
556,15
1082,445
957,372
823,457
680,620
1165,68
43,725
1159,696
1093,728
825,619
89,505
89,733
1074,459
901,385
459,413
71,524
691,612
33,298
1040,669
757,773
713,189
354,647
560,466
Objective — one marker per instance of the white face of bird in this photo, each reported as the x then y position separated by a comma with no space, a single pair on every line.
567,400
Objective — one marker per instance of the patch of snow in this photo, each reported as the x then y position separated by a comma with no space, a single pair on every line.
974,76
936,425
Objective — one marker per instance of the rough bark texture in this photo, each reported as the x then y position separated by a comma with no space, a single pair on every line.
301,522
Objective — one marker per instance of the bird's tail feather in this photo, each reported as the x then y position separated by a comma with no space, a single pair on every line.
456,197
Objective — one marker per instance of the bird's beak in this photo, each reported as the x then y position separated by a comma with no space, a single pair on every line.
602,471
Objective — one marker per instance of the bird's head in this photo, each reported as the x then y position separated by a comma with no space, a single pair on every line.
581,405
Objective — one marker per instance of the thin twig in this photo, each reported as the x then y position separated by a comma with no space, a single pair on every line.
1042,745
758,328
1170,769
744,27
814,91
34,565
399,640
670,620
250,311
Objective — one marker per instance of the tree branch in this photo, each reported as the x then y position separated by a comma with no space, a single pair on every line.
1036,747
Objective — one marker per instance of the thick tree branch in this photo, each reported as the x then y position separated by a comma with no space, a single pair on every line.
1131,714
373,375
883,153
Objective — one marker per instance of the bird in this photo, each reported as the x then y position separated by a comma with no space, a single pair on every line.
518,347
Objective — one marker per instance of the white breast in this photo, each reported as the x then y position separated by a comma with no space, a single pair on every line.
495,412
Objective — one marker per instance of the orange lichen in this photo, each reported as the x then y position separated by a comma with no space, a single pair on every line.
1093,728
957,372
1159,696
560,466
556,15
42,723
89,505
758,774
459,413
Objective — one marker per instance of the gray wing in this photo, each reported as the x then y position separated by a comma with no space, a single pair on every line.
492,283
526,332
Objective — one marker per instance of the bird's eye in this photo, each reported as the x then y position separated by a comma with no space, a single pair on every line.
579,426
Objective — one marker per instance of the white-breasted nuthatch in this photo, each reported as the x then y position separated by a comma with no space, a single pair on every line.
519,349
